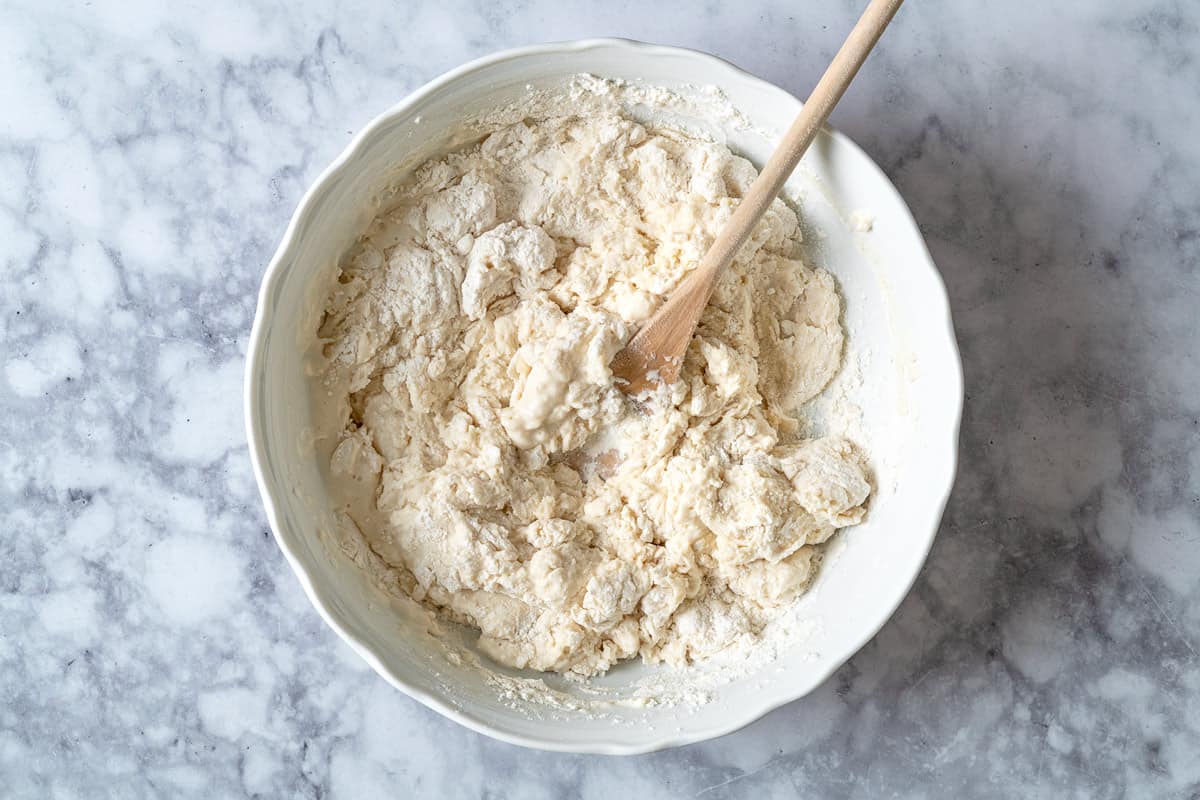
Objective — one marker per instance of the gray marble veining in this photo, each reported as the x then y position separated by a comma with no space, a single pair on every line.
153,641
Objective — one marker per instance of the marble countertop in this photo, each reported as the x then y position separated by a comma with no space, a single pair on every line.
154,643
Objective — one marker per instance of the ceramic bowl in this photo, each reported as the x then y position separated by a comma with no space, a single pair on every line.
903,372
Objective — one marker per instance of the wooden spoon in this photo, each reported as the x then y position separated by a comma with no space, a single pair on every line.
655,354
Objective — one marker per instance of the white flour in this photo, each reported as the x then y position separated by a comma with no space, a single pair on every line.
491,470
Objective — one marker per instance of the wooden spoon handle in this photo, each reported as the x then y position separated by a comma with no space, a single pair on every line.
799,136
655,353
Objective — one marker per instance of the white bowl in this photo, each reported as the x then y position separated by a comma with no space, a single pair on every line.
900,338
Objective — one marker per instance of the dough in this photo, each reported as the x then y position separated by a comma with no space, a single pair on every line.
507,481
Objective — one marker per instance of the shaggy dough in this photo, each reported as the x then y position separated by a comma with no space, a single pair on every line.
508,482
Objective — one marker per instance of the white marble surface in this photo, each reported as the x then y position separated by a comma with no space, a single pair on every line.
153,641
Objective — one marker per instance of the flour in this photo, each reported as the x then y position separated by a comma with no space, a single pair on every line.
488,461
862,221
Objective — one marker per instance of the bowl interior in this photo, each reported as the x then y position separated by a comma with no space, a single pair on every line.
902,371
